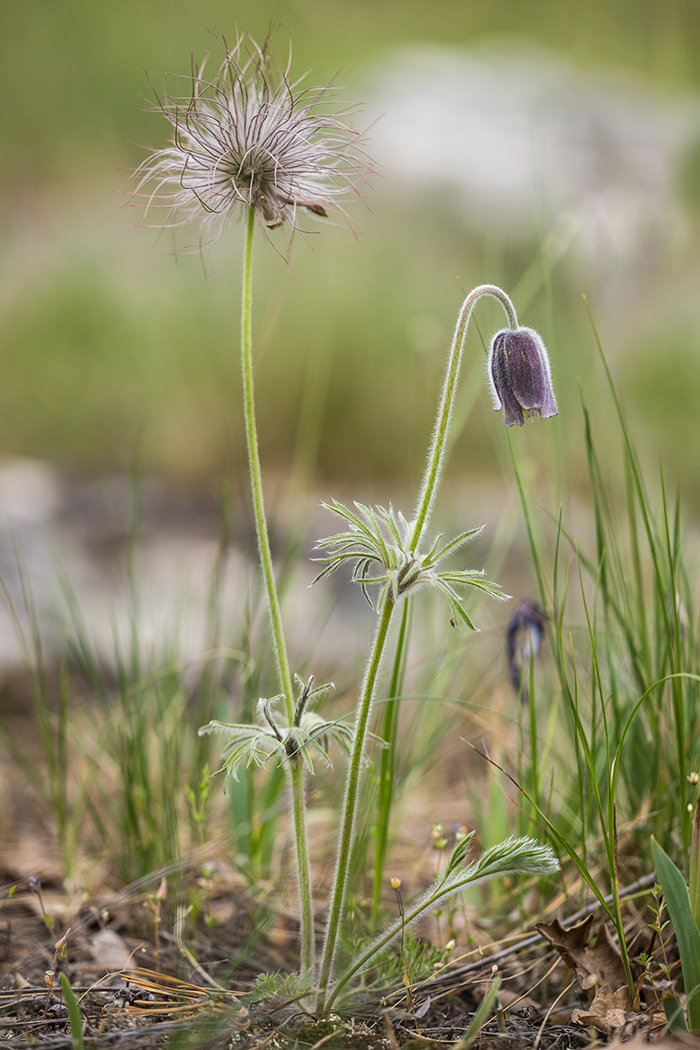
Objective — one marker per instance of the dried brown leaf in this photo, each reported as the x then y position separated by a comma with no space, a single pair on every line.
608,1011
591,954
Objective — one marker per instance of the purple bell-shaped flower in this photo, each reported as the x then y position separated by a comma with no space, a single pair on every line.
520,378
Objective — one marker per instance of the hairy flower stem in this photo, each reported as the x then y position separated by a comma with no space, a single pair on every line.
436,455
351,793
426,499
285,678
388,759
306,912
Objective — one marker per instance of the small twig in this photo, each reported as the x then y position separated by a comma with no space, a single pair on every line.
154,905
35,887
389,1031
182,913
264,1042
532,987
325,1039
535,938
538,1037
396,887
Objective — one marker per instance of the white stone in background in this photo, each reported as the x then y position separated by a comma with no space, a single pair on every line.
52,537
517,138
70,542
29,491
30,502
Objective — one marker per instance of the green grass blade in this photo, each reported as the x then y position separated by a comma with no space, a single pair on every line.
479,1019
74,1017
387,765
675,1021
687,934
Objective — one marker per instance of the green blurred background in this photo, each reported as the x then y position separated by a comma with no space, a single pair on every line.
110,349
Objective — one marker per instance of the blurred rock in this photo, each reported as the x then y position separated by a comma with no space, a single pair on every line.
81,563
521,141
30,501
109,950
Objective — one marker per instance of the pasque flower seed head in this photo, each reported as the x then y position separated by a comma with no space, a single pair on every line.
249,138
520,379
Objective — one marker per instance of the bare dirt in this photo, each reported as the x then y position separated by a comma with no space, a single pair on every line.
145,977
149,973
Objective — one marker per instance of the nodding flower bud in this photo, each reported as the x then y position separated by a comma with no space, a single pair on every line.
520,379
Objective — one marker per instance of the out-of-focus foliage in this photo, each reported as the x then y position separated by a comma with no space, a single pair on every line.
107,346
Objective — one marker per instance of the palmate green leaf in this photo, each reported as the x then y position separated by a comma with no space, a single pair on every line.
334,564
344,542
251,752
513,855
369,531
309,697
344,512
453,545
456,608
459,854
687,934
361,575
366,534
309,734
345,546
346,551
396,525
378,546
318,728
474,578
432,556
233,730
314,735
300,748
460,613
290,987
393,529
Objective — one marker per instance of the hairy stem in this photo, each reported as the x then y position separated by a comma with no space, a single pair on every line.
306,912
285,678
251,434
425,503
511,856
351,794
388,759
436,454
392,930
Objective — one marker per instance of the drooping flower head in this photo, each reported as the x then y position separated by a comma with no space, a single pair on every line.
524,636
249,138
521,383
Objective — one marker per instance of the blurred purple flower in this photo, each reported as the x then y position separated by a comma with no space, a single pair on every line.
250,138
524,635
520,378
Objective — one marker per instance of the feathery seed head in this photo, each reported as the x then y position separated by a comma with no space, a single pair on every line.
249,138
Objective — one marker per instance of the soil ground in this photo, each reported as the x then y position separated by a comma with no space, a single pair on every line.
133,992
187,983
141,983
